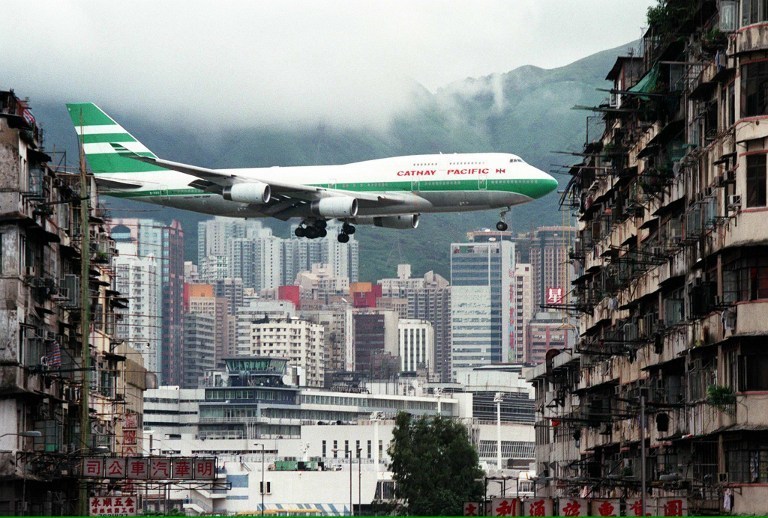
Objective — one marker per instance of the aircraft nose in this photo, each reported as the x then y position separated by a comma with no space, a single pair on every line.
546,183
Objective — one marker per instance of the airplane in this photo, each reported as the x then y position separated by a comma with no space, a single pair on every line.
386,192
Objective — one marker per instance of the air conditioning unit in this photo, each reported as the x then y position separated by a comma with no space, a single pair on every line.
734,202
722,477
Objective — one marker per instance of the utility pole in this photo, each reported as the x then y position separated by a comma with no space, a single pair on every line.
642,451
85,317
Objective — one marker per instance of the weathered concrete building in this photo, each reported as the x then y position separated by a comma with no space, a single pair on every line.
664,393
44,374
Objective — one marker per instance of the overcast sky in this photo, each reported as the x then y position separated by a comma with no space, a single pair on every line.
271,62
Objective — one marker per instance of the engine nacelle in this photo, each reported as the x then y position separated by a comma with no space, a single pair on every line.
335,207
402,222
252,192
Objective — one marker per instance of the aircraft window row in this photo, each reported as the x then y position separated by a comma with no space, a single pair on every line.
422,165
467,163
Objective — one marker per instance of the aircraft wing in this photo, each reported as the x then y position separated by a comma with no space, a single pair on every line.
286,194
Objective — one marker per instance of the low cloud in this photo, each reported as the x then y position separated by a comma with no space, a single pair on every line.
234,63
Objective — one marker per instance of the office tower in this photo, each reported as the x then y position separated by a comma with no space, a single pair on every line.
375,343
481,281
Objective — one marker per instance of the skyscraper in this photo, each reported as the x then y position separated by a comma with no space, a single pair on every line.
481,279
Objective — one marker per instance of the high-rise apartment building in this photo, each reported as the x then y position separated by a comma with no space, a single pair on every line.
428,298
166,243
416,342
137,278
522,310
199,342
662,399
552,271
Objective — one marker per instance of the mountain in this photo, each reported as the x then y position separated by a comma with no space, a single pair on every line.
528,111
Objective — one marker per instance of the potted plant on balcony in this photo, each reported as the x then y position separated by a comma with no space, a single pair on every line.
720,396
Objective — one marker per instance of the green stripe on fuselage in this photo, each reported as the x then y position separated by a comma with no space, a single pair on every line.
530,188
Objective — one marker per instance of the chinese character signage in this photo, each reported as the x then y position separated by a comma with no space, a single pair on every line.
554,295
137,468
205,469
635,507
131,421
114,467
537,507
572,507
93,467
672,507
112,506
605,506
472,508
150,468
505,507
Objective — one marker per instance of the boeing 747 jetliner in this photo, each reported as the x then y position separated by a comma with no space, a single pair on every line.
387,192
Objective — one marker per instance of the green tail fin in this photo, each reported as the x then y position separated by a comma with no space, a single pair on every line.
97,131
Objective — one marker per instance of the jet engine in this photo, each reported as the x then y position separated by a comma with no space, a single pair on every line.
335,207
252,192
402,222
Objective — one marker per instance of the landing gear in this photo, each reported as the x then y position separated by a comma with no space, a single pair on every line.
314,230
501,226
346,231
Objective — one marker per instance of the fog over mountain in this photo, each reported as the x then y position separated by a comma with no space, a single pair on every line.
527,111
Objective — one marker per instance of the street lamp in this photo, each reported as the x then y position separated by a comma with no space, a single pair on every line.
26,433
262,476
348,453
498,398
359,480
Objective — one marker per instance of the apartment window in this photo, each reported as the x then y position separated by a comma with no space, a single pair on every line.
754,89
747,461
756,195
753,11
754,372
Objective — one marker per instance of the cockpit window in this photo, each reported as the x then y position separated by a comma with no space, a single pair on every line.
513,160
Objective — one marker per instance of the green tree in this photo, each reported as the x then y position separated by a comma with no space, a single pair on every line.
434,465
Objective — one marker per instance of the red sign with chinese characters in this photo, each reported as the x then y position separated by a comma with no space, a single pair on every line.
112,506
538,507
505,507
573,507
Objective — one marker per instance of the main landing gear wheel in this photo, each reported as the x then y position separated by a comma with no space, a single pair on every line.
312,231
348,229
501,226
343,238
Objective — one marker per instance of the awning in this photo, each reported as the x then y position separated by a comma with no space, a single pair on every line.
647,83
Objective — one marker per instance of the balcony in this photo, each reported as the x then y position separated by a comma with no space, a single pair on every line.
752,38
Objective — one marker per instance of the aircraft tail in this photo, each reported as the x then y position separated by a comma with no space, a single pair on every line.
97,131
